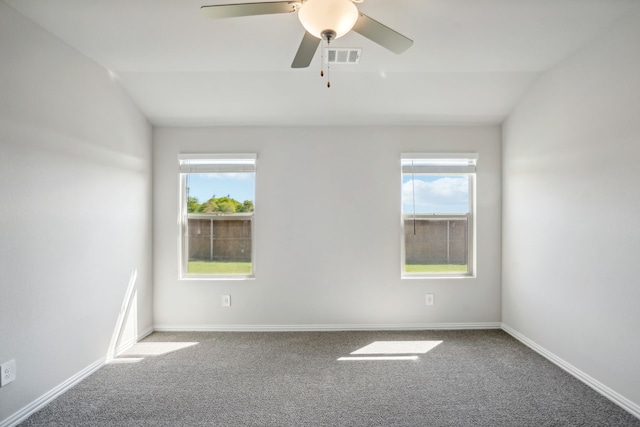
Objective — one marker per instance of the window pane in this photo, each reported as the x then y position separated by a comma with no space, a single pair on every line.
436,245
239,186
219,211
219,245
435,194
436,216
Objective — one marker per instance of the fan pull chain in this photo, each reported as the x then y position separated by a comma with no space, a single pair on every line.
327,36
328,64
321,61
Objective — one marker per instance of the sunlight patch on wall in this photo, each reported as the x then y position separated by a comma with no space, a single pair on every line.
127,318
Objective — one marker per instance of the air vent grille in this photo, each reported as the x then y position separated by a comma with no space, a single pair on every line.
345,55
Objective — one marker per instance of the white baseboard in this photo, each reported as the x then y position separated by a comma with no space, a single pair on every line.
326,327
130,343
123,347
615,397
43,400
40,402
145,333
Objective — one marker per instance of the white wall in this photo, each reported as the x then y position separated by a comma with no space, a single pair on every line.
327,231
571,216
75,210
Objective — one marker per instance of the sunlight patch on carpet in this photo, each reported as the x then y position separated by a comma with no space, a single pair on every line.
156,348
123,360
397,347
377,358
392,350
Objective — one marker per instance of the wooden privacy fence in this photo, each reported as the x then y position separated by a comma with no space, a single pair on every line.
220,237
228,238
436,241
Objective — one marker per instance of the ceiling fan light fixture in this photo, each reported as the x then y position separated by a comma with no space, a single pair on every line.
318,16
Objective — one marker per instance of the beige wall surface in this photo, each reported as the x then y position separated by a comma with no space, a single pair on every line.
327,231
75,212
571,208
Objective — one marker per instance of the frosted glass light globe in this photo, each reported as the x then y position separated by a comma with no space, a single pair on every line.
317,16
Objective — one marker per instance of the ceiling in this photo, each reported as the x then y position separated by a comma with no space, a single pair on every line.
471,61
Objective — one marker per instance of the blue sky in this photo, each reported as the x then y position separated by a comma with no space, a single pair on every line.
239,186
433,194
436,194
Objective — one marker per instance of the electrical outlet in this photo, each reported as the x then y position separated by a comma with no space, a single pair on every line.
226,300
7,372
428,299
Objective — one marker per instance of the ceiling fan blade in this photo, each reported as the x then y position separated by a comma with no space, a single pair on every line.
307,49
248,9
381,34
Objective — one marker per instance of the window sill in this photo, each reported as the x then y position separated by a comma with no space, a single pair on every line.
437,276
216,278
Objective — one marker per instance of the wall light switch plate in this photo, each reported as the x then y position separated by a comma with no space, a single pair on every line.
226,300
7,372
428,299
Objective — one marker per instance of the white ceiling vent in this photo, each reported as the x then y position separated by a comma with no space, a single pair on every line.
343,55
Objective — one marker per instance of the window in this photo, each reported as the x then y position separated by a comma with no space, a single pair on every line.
217,208
438,214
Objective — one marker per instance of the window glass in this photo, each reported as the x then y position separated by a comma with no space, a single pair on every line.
217,217
437,216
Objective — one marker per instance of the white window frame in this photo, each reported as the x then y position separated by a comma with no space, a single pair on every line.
211,163
433,164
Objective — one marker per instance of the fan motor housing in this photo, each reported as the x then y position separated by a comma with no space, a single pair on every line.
328,35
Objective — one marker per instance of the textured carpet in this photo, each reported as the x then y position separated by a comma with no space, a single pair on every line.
472,378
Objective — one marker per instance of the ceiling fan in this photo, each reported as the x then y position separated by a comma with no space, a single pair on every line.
322,19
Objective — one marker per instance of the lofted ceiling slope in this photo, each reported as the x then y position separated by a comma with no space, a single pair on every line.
471,61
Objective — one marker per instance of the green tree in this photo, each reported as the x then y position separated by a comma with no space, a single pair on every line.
193,205
209,206
225,204
246,206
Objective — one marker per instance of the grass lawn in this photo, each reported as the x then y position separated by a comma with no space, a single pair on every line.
215,267
435,268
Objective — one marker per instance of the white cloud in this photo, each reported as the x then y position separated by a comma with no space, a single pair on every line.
449,194
225,175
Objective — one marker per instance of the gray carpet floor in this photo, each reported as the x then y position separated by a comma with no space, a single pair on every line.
473,378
